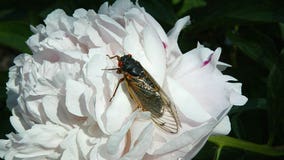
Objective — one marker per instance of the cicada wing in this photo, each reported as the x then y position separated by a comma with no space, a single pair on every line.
150,97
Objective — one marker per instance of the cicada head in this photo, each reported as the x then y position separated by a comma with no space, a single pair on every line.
130,65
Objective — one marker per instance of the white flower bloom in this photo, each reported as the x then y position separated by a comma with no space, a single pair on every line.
59,96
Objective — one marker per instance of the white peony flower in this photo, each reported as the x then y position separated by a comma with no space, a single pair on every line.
59,95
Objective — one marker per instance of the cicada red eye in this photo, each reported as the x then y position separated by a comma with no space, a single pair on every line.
120,64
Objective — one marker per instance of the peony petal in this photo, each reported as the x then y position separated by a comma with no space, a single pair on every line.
135,16
155,54
223,128
52,20
42,141
95,37
189,62
236,98
118,111
173,48
141,144
74,92
115,139
189,137
195,148
185,102
154,24
131,42
120,6
204,82
83,142
16,123
70,147
80,13
111,25
4,147
107,35
104,8
93,72
54,112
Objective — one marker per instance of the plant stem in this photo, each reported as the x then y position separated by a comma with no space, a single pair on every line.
226,141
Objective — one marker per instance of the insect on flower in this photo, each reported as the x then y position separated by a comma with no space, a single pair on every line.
146,93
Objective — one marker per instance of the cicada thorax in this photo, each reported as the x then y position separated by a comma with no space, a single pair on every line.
147,94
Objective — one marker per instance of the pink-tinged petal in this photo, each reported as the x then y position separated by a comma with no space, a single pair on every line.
176,155
189,62
195,148
97,152
155,54
222,66
4,148
39,141
35,112
93,69
119,7
95,37
80,13
103,8
111,25
48,135
33,43
53,19
185,102
72,145
118,111
51,109
142,120
131,42
204,82
208,60
16,123
173,50
93,73
60,42
140,145
223,128
188,137
74,102
83,141
115,140
135,16
158,28
107,35
87,34
236,97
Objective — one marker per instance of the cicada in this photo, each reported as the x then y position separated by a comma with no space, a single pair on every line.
146,93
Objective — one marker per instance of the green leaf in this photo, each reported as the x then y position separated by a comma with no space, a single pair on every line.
160,10
281,26
189,4
3,80
252,104
256,45
264,11
14,34
275,87
226,141
5,12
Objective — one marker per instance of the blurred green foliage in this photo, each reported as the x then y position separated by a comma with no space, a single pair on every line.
250,33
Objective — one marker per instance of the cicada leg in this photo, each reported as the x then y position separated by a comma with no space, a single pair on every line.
120,80
116,56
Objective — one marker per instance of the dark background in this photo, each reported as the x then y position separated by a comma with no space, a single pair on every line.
250,32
